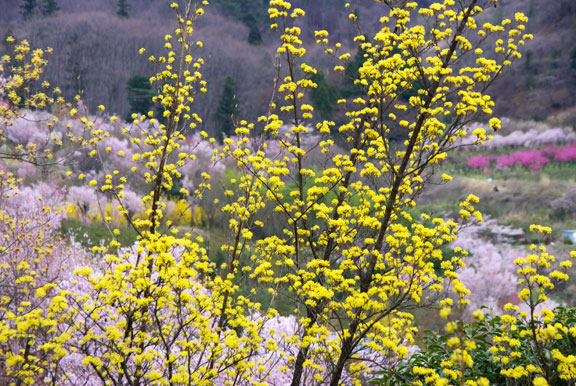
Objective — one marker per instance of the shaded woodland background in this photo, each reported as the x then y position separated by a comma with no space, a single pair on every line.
96,52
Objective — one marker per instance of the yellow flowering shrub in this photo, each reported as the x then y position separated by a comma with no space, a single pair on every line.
20,69
547,331
352,263
529,345
34,318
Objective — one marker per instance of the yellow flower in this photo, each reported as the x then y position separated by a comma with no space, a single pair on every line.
478,315
495,124
539,381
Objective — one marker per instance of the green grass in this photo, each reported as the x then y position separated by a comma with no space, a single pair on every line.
96,234
522,197
456,164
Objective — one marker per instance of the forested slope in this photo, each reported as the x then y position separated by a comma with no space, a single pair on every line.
94,52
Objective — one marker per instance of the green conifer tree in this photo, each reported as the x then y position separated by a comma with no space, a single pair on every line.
352,72
123,7
28,8
227,108
324,96
49,8
140,95
254,37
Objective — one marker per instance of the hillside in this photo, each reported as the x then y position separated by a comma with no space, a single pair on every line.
94,51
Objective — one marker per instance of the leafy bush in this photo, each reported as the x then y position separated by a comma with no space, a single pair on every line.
534,346
480,338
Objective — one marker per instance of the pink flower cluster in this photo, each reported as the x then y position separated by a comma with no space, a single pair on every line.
29,129
34,260
479,161
534,159
564,153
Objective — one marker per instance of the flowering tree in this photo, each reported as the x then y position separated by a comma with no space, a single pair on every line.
531,344
529,138
534,159
350,257
350,260
34,263
479,161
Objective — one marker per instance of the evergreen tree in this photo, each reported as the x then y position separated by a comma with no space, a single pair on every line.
324,96
250,12
140,95
49,7
76,67
352,72
227,108
122,8
254,37
28,8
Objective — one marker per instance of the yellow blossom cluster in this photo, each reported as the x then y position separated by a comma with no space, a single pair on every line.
20,69
539,326
529,344
31,306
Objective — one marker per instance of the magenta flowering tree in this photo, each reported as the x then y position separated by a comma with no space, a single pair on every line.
479,162
565,153
532,159
504,161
